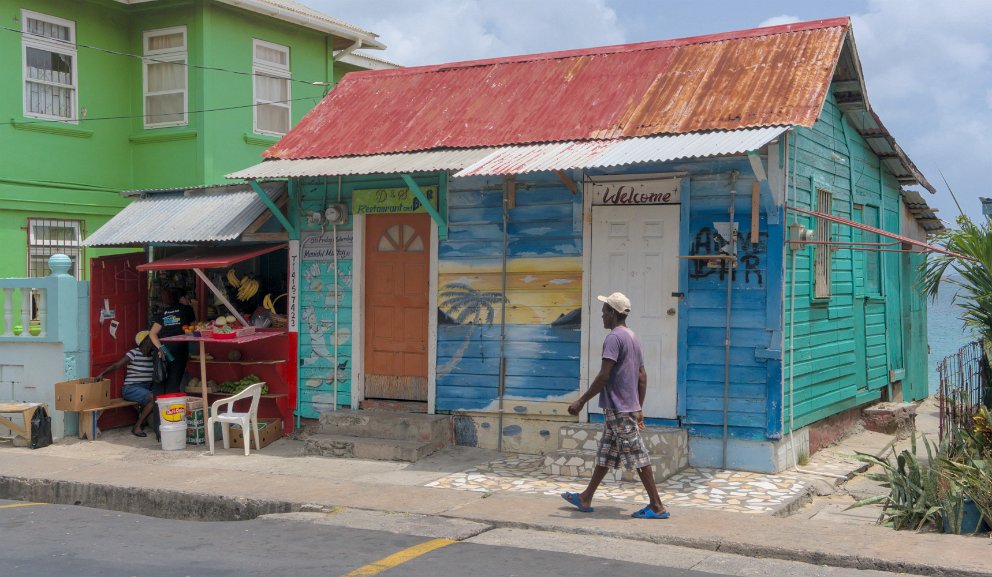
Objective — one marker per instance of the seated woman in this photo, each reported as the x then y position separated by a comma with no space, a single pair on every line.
138,380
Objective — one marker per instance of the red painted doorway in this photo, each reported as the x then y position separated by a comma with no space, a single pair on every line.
117,286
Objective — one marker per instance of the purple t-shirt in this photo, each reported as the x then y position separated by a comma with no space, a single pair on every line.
620,392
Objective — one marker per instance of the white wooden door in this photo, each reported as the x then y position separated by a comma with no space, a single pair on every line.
635,251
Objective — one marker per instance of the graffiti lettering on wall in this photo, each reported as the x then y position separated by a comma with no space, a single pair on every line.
708,242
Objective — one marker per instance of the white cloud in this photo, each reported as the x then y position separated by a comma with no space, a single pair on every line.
779,20
454,30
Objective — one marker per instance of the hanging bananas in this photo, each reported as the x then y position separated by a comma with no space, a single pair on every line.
269,303
232,278
247,288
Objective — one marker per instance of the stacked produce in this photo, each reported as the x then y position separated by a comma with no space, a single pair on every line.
234,387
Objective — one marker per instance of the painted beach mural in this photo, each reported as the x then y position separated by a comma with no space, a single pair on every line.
536,306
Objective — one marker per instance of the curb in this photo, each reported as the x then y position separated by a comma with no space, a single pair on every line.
171,504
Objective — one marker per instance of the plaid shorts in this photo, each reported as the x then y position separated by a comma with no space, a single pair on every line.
621,441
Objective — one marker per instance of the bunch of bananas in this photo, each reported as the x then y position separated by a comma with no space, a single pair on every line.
269,303
247,286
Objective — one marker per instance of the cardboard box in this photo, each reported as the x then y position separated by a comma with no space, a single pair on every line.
268,431
79,394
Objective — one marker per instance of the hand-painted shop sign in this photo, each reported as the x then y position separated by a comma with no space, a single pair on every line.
391,200
317,245
636,192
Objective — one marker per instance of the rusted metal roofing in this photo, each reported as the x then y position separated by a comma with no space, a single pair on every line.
184,216
775,76
924,215
621,152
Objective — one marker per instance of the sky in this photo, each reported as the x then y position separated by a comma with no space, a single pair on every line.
927,63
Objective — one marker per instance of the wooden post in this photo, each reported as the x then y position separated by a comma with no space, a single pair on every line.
755,214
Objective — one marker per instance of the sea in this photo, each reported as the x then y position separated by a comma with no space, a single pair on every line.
946,331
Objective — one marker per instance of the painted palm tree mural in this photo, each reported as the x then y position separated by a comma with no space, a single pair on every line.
461,304
465,305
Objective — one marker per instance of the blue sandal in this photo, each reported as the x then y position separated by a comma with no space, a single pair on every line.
573,499
648,513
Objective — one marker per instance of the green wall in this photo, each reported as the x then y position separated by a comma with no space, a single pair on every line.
846,347
76,171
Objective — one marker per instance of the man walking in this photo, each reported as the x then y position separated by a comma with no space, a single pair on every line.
621,385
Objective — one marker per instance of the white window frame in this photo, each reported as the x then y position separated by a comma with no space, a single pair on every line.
67,48
172,55
267,68
823,254
43,246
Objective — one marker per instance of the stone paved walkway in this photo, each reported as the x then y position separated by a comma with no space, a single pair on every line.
725,490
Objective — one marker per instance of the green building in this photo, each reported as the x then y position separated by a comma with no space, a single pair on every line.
114,95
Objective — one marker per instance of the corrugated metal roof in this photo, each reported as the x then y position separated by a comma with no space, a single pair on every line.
925,216
526,158
428,161
606,153
186,216
776,76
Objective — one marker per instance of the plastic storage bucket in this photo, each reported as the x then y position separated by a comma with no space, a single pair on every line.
172,409
173,437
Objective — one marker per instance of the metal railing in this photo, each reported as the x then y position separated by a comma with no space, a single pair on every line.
964,387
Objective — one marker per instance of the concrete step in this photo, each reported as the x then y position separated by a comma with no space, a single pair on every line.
437,429
579,463
659,440
367,448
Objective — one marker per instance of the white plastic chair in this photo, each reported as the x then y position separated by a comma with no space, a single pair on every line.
248,421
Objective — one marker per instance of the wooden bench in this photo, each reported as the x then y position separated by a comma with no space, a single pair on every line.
89,417
27,412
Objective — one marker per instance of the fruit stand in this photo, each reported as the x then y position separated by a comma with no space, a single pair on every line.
262,350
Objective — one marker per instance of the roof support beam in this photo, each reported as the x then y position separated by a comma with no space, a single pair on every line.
442,225
293,233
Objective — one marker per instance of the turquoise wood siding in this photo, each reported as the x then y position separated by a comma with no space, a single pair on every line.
845,346
542,296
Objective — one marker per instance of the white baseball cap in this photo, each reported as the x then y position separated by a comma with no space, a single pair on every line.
618,301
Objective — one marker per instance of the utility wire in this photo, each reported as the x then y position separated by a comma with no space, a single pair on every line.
152,59
131,116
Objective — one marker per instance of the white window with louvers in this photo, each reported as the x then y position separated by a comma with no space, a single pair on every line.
49,57
165,77
270,69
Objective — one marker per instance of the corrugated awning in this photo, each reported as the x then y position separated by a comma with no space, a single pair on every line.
215,214
522,159
211,257
904,239
620,152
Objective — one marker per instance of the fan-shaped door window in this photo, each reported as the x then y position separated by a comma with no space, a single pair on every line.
401,238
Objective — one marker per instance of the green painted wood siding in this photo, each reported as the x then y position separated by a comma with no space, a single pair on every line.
844,346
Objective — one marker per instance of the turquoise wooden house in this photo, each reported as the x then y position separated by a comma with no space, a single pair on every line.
738,187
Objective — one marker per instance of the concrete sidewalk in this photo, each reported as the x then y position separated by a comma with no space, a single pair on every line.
121,472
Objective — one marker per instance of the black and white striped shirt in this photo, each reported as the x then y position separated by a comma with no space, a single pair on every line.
139,369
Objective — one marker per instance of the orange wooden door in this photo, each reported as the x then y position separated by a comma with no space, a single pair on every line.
397,257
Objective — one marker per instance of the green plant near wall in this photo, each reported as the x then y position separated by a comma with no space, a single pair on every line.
970,468
914,498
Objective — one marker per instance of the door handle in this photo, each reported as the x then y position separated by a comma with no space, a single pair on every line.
671,312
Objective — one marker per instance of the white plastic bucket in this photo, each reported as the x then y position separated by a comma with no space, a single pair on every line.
173,437
172,409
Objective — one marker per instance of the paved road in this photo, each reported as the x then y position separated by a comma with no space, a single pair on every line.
41,539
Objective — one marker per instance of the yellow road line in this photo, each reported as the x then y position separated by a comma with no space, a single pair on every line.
400,557
21,505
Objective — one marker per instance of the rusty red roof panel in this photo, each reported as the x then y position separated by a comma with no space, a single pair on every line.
776,76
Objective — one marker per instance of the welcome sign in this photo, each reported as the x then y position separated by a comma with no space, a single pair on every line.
636,192
392,200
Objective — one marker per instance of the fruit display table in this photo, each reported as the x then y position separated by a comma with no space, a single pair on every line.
279,397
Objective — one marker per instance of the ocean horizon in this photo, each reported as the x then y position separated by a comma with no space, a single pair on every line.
946,332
